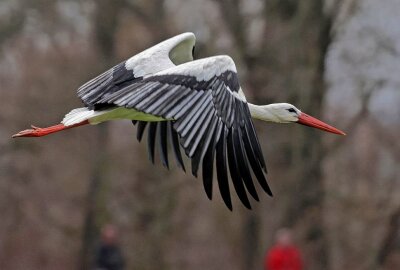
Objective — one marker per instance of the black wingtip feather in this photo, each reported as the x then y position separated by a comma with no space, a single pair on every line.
140,130
175,146
208,168
151,140
234,172
222,174
241,161
194,170
254,139
162,137
255,165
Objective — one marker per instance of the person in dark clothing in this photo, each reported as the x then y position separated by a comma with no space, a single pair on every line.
109,256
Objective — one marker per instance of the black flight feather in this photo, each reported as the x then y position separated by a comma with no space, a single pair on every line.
242,165
151,140
222,173
175,145
162,137
234,172
255,165
140,130
208,168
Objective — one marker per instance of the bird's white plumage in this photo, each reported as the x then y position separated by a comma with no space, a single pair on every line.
76,116
166,54
202,69
238,95
241,94
95,117
277,112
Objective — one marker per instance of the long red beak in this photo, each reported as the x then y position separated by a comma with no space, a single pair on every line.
308,120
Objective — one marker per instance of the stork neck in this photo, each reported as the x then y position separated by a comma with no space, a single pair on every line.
262,113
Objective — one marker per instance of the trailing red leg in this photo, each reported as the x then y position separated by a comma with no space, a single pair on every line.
39,132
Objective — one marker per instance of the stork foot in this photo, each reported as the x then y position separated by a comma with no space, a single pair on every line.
39,132
32,132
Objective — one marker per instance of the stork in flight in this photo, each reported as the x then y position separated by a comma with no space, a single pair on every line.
199,105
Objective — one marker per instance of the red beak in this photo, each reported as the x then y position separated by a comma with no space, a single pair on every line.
308,120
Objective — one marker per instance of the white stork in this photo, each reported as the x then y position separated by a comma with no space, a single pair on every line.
198,104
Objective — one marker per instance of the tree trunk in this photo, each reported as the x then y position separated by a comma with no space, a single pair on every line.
105,25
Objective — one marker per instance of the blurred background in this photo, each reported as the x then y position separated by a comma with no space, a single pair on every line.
338,60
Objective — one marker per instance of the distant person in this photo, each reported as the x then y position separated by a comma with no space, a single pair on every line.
109,256
284,255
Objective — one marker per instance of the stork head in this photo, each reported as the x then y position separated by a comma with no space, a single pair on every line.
288,113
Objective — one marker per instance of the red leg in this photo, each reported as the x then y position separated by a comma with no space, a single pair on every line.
39,132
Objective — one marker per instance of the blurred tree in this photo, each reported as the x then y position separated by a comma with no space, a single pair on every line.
106,19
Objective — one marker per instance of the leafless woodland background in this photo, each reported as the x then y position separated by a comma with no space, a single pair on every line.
337,60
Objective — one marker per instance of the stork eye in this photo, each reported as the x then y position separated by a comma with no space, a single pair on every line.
291,110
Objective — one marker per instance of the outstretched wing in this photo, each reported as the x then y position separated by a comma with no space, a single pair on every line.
162,56
107,83
201,99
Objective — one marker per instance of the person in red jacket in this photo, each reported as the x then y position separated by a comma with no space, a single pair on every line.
284,255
